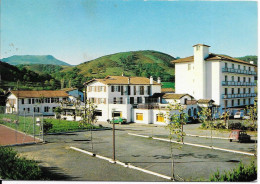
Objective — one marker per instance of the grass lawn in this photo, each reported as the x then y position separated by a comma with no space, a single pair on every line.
26,124
168,85
66,126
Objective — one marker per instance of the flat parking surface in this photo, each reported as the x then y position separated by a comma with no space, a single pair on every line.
190,163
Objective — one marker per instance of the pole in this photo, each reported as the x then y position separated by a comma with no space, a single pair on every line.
85,99
182,132
42,130
114,149
33,127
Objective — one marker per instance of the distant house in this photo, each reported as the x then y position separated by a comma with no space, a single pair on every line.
34,101
74,93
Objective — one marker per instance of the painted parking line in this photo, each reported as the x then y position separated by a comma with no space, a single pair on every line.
205,136
197,145
123,164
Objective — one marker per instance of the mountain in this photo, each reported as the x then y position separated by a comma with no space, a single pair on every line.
144,63
44,68
33,59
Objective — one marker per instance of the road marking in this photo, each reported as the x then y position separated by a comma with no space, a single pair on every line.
197,145
123,164
207,136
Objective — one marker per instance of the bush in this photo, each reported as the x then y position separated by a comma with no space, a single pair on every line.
220,125
47,126
17,168
241,173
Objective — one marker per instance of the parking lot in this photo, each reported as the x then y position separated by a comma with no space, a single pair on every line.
190,163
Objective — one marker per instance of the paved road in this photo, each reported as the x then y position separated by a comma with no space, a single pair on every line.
191,163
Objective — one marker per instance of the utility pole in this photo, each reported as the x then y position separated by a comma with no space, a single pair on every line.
114,148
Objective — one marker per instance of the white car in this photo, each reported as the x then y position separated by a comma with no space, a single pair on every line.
238,115
246,116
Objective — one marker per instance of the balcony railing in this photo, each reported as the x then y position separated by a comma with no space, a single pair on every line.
151,106
244,95
233,83
232,70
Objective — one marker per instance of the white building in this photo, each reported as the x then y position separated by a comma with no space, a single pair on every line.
138,99
226,80
34,101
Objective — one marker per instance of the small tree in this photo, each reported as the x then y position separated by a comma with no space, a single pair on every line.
205,116
89,117
175,125
58,112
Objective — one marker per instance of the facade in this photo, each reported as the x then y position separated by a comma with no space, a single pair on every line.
74,93
226,80
28,102
137,99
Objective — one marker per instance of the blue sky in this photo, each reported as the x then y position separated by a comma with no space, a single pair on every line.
79,30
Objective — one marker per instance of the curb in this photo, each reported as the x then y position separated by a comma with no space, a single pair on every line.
56,133
123,164
197,145
205,136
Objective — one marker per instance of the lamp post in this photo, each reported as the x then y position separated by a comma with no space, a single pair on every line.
114,149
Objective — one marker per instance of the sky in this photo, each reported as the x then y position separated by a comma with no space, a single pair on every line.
76,31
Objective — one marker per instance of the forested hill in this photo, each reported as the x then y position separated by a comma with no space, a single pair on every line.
134,63
33,59
249,58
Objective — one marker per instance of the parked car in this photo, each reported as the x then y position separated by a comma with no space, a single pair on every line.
239,135
238,115
118,120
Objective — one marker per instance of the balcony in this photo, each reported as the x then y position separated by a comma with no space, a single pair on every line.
151,106
233,83
238,71
244,95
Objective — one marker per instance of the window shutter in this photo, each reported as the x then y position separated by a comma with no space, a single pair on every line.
105,100
105,88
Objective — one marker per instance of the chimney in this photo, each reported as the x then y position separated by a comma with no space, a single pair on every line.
201,52
159,80
151,79
251,62
128,80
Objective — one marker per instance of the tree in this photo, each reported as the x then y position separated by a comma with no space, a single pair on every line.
89,118
175,125
205,116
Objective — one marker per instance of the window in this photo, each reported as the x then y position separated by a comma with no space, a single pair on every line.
114,100
233,66
189,66
23,109
98,113
32,100
244,90
232,78
129,90
232,103
238,79
249,79
134,90
122,90
139,99
36,109
141,90
121,100
139,116
239,67
249,68
249,90
238,90
112,88
159,118
52,100
118,88
189,112
22,101
29,101
28,110
46,109
226,78
244,79
195,112
244,101
244,67
116,114
226,91
148,90
238,101
232,91
226,65
226,103
132,100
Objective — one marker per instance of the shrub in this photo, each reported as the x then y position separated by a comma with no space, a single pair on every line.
17,168
220,125
241,173
47,126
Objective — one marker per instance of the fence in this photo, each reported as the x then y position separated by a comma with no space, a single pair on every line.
20,128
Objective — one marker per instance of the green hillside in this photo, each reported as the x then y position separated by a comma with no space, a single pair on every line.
44,68
134,63
10,75
249,58
33,59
